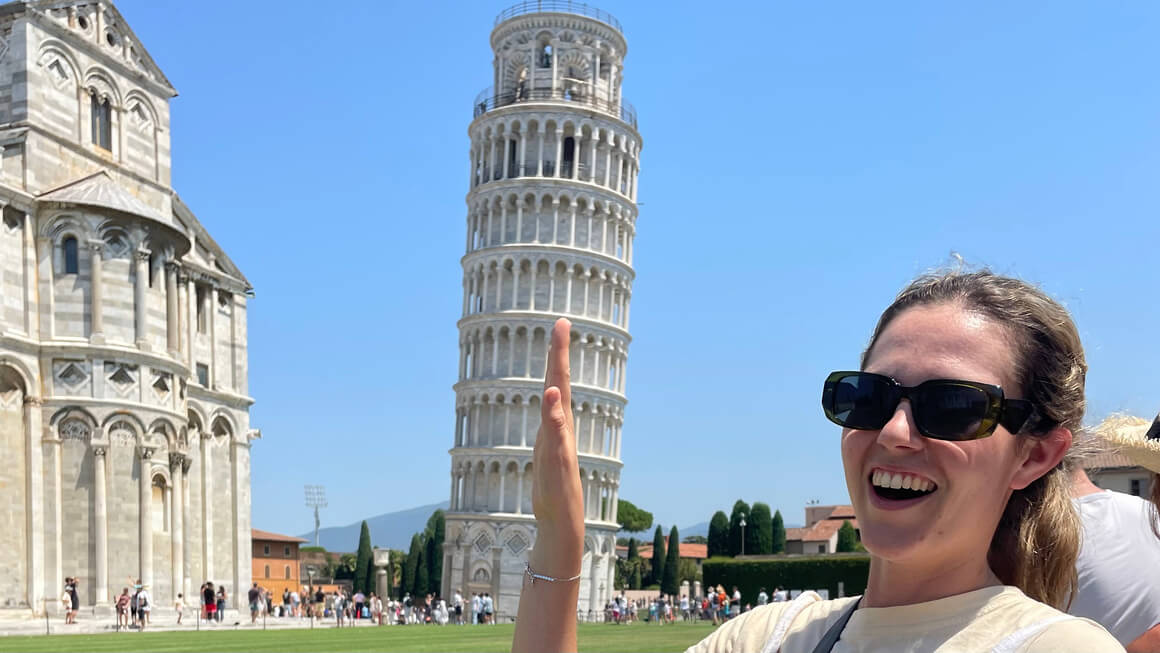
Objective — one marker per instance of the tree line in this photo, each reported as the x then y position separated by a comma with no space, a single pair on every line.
763,533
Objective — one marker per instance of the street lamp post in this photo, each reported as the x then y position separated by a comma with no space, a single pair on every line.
310,588
742,533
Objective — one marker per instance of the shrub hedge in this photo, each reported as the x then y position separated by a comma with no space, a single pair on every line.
792,573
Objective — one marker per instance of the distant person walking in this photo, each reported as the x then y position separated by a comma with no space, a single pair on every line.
208,600
221,603
255,597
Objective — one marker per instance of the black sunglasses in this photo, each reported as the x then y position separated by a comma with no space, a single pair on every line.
943,409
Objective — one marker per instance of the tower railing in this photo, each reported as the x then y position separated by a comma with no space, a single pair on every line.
487,101
558,6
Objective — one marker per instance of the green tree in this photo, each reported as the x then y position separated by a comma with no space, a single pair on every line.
344,569
635,583
372,577
718,540
633,553
670,584
631,518
422,576
695,539
761,527
363,560
436,531
687,571
739,508
658,557
778,533
410,565
847,538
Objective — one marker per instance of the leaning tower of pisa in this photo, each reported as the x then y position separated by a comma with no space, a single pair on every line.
551,215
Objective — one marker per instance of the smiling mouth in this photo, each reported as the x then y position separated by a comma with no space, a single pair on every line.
900,487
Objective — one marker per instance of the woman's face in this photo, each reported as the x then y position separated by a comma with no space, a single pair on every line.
953,524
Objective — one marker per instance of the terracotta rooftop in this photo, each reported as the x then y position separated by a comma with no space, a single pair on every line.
819,532
842,512
267,536
688,550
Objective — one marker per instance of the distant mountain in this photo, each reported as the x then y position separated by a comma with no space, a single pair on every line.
390,531
701,529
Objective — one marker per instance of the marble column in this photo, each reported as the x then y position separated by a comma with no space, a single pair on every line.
211,315
96,287
101,524
34,536
145,534
139,287
177,520
519,489
172,323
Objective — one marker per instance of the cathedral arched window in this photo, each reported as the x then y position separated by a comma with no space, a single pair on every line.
71,256
102,121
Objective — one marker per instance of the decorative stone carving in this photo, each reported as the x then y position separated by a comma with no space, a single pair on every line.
99,451
122,434
147,453
177,460
75,429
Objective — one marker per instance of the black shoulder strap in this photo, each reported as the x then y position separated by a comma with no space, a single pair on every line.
826,644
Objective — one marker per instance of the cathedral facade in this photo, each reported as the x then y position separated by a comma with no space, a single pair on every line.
124,408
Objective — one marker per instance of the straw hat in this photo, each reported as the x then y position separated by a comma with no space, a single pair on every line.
1135,438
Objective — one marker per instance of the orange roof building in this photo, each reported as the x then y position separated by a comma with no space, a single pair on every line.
275,559
821,532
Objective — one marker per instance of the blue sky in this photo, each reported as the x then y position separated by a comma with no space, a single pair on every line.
801,162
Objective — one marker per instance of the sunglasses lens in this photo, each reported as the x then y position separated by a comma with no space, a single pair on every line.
951,412
861,401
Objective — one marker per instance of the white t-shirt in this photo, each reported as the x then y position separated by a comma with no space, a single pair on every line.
144,601
974,621
1119,565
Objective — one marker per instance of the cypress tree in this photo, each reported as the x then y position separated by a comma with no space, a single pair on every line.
718,535
670,585
437,527
635,582
658,557
364,560
632,551
778,533
847,538
372,580
739,508
410,567
422,576
761,541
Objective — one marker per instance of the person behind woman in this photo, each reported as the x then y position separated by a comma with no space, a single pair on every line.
953,432
1119,562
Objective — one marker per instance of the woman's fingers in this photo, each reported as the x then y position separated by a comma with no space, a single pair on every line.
556,491
559,372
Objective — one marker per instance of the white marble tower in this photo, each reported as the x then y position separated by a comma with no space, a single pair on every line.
551,215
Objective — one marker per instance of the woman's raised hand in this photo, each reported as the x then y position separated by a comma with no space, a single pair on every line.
547,616
557,497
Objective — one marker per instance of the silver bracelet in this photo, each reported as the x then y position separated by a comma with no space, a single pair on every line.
533,576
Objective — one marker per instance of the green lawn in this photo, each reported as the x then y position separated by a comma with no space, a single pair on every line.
593,637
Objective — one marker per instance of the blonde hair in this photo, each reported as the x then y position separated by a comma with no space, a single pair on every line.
1037,540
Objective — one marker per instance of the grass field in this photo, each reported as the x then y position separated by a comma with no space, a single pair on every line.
593,637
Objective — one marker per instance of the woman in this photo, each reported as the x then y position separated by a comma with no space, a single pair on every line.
953,433
221,603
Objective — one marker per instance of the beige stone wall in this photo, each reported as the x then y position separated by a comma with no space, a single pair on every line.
13,479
